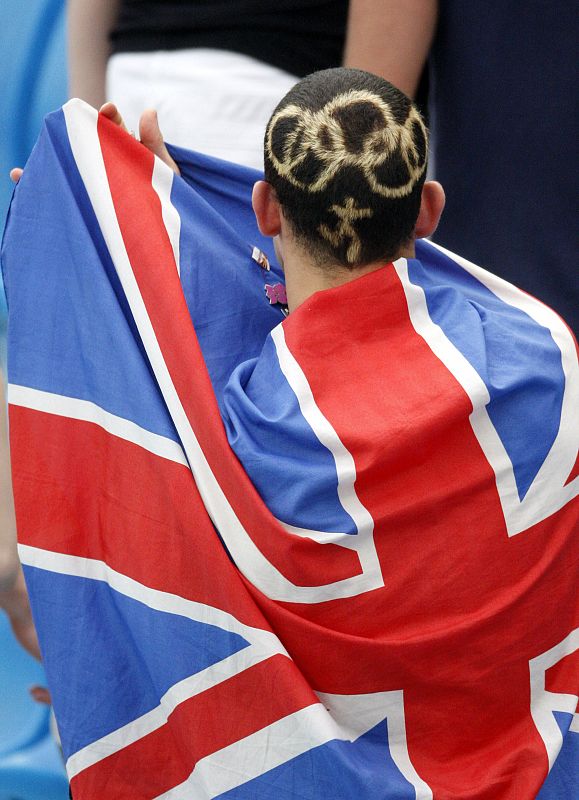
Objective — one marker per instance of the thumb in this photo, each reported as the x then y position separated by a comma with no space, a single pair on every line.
151,136
40,694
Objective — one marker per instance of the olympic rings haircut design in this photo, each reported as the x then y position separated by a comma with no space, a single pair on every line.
346,153
322,134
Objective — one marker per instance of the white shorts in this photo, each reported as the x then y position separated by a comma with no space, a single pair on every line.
213,101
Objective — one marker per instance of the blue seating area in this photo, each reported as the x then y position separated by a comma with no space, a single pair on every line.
33,79
30,763
33,76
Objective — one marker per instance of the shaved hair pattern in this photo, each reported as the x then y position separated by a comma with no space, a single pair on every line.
346,153
326,136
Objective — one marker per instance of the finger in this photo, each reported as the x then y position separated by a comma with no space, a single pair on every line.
151,136
110,111
41,695
16,174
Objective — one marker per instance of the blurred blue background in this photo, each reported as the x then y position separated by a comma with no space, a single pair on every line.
30,763
33,80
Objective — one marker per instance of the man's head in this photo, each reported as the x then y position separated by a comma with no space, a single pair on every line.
345,155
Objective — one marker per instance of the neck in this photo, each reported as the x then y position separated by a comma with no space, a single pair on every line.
304,277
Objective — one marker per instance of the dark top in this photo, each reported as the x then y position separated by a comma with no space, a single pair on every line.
299,36
504,114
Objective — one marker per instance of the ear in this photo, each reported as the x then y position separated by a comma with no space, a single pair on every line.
266,209
431,208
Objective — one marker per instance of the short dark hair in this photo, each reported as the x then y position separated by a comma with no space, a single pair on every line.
346,152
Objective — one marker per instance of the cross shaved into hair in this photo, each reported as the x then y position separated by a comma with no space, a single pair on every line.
346,153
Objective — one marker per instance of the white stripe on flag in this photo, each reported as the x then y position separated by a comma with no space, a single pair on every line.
548,492
86,411
162,183
262,645
363,542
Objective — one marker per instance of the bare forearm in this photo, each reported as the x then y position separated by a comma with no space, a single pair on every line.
14,599
391,38
13,594
89,25
16,604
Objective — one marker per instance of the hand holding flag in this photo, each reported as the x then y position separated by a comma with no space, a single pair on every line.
149,134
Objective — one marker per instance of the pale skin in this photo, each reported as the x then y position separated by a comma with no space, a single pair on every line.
88,24
391,39
303,276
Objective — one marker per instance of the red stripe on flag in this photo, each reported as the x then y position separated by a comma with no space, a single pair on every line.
198,727
86,493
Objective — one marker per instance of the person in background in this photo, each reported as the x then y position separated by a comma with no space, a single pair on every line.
213,71
391,38
500,86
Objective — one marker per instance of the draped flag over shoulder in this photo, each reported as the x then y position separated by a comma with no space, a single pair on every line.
327,556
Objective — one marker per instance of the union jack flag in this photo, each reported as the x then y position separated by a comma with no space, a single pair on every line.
327,556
